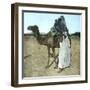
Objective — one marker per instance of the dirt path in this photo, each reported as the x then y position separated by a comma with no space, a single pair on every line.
36,59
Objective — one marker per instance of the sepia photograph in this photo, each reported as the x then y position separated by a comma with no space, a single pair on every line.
51,44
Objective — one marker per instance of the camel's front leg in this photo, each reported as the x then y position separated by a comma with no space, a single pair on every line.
54,60
53,50
48,57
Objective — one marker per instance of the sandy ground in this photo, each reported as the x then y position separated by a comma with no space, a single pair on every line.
36,57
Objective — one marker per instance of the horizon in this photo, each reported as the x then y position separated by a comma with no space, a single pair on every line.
46,20
46,33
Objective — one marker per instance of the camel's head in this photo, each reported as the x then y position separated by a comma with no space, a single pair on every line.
34,29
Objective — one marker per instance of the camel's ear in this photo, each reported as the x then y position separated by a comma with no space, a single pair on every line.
36,27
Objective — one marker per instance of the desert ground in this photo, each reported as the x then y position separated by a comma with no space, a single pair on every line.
36,57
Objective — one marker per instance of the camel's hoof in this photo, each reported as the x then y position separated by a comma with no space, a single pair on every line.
47,66
55,67
60,70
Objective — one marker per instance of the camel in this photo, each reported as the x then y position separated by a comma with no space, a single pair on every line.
48,40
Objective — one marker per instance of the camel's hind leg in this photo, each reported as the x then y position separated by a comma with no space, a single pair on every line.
56,62
55,58
48,57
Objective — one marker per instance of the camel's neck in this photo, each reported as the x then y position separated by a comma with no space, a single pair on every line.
37,35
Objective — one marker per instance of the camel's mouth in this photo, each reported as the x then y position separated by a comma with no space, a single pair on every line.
29,28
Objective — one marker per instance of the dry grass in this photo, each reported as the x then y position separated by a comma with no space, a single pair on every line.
36,58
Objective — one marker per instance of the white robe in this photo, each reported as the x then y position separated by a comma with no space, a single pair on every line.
64,53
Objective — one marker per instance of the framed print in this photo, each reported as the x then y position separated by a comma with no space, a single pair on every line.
48,44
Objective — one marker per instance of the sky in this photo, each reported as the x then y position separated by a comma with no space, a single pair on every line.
46,20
